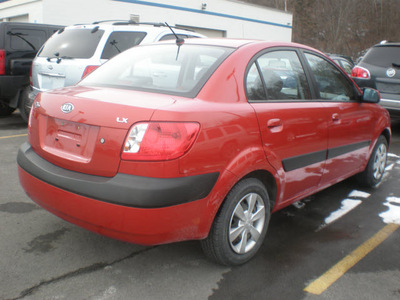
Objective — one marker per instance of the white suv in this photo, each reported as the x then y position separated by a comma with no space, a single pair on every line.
73,52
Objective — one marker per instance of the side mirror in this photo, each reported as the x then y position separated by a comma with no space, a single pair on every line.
370,95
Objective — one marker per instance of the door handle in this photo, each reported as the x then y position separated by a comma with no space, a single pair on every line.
336,118
275,125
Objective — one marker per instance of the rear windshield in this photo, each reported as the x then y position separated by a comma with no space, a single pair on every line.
161,68
72,43
119,41
383,56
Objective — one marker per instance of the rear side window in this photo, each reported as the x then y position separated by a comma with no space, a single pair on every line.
72,43
120,41
26,39
383,56
277,75
331,83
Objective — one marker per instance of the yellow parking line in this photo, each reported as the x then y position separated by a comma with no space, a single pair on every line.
13,136
319,285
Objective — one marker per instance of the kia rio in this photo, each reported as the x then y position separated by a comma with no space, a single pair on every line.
200,140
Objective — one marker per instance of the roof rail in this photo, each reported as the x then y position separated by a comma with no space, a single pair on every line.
109,21
130,22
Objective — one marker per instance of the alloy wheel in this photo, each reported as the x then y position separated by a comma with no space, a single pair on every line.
246,224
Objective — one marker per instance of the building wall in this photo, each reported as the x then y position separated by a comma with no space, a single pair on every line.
230,18
21,11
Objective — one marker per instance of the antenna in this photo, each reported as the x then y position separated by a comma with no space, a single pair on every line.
179,41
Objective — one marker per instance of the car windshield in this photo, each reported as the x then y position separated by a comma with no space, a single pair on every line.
162,68
383,56
72,43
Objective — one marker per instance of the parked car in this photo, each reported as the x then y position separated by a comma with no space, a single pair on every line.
19,43
75,51
200,139
345,62
380,69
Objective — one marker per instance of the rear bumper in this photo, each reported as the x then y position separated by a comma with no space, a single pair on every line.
122,189
134,225
118,218
391,103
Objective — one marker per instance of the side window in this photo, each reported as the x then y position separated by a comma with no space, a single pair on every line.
170,36
331,83
277,75
119,41
26,39
254,87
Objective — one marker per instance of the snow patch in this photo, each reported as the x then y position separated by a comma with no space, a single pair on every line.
392,215
389,167
393,155
347,206
359,194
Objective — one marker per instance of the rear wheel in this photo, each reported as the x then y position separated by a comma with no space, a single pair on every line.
25,104
373,173
5,110
240,226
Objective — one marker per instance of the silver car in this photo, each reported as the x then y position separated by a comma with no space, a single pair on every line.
72,53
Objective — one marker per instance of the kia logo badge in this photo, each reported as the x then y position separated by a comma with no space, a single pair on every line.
390,72
67,108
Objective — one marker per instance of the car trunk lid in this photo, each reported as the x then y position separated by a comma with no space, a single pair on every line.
83,129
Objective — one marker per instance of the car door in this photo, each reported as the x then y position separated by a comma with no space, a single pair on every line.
293,127
350,124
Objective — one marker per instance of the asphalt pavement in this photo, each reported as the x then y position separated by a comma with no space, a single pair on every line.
342,243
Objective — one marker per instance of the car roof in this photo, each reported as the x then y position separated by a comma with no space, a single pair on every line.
237,43
27,24
387,44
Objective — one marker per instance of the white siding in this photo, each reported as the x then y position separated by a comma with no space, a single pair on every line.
13,10
233,19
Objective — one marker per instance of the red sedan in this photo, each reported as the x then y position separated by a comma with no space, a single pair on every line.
200,140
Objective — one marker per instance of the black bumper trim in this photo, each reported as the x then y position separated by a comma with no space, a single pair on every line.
122,189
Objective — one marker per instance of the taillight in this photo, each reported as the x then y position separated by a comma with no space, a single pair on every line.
159,140
2,62
88,70
359,72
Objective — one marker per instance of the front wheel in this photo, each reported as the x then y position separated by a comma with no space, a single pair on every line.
373,173
240,226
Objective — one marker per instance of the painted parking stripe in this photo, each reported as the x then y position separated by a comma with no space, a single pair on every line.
13,136
319,285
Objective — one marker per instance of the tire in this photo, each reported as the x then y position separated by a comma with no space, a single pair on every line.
5,110
373,173
25,104
236,235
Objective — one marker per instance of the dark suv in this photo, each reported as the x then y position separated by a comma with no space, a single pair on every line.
380,69
19,43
